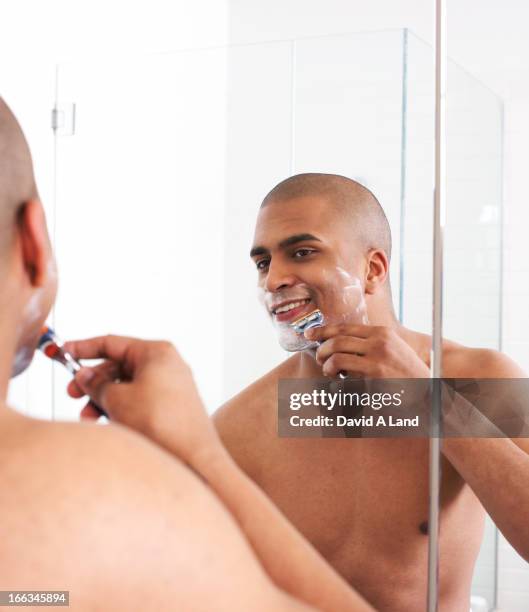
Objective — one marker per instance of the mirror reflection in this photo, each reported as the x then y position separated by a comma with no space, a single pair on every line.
266,207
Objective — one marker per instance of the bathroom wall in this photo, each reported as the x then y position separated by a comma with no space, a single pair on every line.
80,34
513,577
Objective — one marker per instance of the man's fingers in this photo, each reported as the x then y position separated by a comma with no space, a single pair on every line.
74,390
109,369
89,412
341,344
101,347
345,362
321,334
97,385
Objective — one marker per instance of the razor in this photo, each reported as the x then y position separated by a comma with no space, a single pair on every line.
313,319
53,348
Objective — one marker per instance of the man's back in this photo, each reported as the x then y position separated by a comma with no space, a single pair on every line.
363,503
105,514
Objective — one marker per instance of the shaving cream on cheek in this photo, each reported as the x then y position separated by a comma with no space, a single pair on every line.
344,298
22,359
33,316
288,339
344,303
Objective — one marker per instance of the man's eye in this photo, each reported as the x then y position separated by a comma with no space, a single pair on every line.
299,253
262,264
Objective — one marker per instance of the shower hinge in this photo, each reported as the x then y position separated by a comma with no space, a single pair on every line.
63,120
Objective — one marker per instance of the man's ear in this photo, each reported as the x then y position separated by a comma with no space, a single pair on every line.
36,250
377,271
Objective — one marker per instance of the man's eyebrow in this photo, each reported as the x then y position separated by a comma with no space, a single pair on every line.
260,250
297,238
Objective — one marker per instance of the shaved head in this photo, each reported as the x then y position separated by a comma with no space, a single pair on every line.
27,267
17,182
351,199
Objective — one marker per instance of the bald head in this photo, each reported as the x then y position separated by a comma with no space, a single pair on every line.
17,182
349,198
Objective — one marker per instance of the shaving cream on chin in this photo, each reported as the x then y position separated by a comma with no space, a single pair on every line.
291,341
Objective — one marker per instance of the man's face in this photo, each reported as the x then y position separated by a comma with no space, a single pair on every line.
307,258
33,317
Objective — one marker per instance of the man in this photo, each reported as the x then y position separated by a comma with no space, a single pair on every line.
102,512
363,503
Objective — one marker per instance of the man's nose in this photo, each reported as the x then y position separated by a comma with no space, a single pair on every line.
279,277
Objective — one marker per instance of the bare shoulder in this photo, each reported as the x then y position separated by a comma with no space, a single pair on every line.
248,421
254,401
465,362
106,514
79,486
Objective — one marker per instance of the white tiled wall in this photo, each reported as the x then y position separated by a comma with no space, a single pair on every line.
516,231
473,198
513,571
513,579
485,570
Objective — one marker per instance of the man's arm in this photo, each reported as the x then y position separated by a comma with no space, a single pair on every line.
497,469
288,558
160,401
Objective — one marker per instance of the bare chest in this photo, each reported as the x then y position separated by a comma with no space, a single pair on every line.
360,502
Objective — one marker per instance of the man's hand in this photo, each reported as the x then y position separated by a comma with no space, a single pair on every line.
147,387
365,351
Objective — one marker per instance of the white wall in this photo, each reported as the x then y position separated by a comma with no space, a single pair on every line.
34,37
139,206
59,30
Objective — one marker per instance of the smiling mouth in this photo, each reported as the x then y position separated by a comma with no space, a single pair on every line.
290,311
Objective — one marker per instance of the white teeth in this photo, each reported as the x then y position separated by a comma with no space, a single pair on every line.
290,306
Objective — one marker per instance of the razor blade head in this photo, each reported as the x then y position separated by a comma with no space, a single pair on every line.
313,319
47,337
53,348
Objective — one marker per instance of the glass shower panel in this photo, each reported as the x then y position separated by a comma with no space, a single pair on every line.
473,246
473,211
418,186
472,227
472,237
349,117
